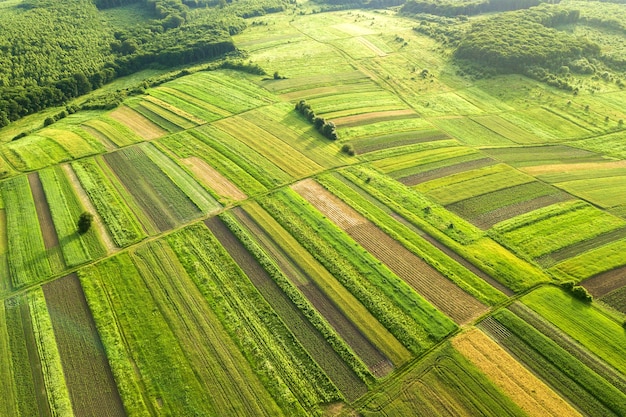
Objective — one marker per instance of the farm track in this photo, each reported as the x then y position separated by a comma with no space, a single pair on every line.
606,282
89,378
424,279
87,204
416,179
310,338
375,360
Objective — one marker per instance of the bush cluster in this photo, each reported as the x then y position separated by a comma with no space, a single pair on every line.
577,291
323,126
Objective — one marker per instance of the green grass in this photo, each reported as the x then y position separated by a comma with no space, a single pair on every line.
331,287
593,262
542,155
586,323
118,218
185,145
443,381
161,200
610,145
448,267
196,193
577,382
350,264
113,130
289,160
413,148
283,122
464,238
5,281
154,348
249,319
257,165
605,192
34,152
28,259
66,208
154,114
470,132
340,105
189,104
220,368
407,164
551,228
8,390
54,380
457,187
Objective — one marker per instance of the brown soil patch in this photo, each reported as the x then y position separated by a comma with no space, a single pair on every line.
213,179
108,145
427,281
98,223
606,282
89,378
332,207
530,393
445,171
487,220
50,237
137,123
583,166
379,116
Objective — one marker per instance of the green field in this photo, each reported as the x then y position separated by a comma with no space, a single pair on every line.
424,261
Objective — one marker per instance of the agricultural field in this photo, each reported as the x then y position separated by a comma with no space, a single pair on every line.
424,260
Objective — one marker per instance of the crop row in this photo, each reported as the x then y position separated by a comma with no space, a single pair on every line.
65,208
386,296
461,237
258,331
591,263
185,145
590,392
190,104
423,160
330,352
416,244
28,259
109,202
113,130
342,310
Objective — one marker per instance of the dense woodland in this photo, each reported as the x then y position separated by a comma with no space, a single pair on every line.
53,51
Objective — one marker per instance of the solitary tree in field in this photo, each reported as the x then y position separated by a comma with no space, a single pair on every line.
84,222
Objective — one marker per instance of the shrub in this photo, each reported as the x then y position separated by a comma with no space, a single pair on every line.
348,149
84,222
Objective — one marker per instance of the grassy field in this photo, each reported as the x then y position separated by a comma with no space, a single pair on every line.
112,130
587,324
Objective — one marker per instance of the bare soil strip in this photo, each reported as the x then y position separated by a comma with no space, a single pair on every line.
530,393
108,144
213,179
50,237
378,116
445,171
137,123
90,382
606,282
98,223
310,338
375,360
428,282
487,220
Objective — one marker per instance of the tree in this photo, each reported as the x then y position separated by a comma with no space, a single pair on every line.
84,222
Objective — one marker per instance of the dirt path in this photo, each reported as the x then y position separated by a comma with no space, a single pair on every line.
50,237
86,202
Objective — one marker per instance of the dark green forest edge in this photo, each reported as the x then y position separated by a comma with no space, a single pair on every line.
52,51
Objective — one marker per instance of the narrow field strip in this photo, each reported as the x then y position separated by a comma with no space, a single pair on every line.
436,173
155,115
27,255
90,381
8,390
113,130
76,143
49,234
282,155
34,152
345,378
106,142
532,395
167,112
374,117
141,126
220,367
200,108
178,112
213,179
302,84
369,339
396,140
428,282
405,163
597,261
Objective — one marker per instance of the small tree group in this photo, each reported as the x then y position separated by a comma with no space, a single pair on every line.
84,222
577,291
326,128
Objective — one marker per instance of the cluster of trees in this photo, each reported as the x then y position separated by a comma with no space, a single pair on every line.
451,8
323,126
577,291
